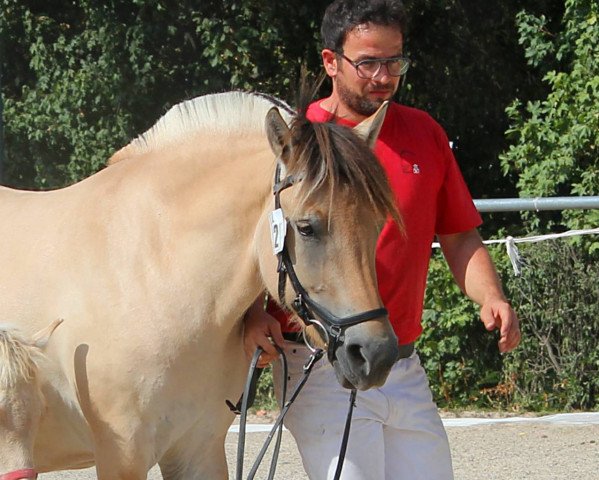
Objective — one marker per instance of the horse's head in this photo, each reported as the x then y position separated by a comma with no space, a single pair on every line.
21,400
334,197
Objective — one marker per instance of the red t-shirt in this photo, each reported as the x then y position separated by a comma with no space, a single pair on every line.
432,198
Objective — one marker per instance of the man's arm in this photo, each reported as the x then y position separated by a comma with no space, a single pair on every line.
475,273
261,330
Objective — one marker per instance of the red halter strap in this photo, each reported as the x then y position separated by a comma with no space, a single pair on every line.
19,474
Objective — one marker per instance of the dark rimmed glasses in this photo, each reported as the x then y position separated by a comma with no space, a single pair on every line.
370,67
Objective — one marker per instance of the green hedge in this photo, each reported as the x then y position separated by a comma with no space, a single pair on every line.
556,367
459,355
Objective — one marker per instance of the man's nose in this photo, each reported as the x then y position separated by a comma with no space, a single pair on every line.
383,73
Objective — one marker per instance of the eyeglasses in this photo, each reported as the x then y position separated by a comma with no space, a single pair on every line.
370,67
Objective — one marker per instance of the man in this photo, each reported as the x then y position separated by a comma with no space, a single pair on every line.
396,431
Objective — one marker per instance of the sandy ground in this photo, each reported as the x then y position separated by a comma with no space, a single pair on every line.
501,451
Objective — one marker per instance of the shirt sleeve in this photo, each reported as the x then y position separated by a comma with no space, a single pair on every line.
455,209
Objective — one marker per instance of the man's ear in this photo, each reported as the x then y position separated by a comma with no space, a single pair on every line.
329,61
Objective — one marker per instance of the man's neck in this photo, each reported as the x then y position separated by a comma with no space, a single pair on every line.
333,105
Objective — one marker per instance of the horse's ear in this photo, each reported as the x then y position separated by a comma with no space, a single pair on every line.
40,339
277,132
370,128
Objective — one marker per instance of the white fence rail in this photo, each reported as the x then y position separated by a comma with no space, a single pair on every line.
537,204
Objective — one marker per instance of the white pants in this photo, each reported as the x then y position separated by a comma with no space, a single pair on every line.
396,432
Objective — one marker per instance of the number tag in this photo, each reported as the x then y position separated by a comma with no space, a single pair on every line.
278,229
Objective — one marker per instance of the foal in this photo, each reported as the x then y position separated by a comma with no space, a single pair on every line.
21,401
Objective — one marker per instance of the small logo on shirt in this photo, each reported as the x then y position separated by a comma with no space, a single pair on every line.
408,162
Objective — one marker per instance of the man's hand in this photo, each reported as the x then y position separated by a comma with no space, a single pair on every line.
499,314
261,330
475,273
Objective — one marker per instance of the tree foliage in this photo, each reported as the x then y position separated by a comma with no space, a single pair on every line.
467,68
555,149
81,78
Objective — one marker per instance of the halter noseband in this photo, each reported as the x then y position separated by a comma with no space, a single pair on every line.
333,326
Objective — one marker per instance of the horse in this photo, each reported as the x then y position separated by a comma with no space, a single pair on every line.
21,400
154,260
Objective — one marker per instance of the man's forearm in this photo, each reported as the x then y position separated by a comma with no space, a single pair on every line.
471,266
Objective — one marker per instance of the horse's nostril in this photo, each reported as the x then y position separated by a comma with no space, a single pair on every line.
354,352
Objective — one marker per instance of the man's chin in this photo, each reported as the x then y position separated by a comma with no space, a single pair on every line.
371,103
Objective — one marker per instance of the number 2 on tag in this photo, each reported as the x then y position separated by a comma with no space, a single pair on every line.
278,230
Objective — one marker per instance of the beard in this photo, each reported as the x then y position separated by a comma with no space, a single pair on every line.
361,104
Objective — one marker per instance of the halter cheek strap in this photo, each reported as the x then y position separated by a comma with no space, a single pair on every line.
333,326
19,474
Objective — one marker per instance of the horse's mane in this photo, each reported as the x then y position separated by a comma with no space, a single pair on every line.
325,155
18,358
225,113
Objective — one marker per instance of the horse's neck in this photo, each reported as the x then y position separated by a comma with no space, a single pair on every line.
215,182
211,194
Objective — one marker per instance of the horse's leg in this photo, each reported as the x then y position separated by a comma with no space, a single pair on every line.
122,457
194,457
122,427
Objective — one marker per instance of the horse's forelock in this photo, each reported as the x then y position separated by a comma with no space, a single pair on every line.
18,359
327,156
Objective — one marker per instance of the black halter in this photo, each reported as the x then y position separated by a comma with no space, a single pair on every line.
332,326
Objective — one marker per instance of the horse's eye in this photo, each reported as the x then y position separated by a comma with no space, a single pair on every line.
305,229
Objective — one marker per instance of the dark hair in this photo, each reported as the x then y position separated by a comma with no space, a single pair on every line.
342,16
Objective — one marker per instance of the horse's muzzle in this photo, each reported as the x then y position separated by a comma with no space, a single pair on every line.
365,363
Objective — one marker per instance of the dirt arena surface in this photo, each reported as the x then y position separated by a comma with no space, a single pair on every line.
498,451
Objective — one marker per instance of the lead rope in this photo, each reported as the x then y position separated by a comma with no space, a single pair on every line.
278,425
243,419
352,404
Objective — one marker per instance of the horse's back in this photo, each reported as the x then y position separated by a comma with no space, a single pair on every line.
34,237
26,214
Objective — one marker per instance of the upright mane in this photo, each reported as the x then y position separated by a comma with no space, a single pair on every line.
17,357
326,155
225,113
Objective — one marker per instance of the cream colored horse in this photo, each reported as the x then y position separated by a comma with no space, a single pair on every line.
153,261
22,404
